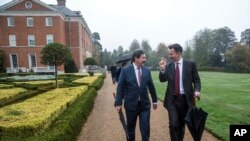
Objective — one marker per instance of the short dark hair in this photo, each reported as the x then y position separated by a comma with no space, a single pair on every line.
176,47
137,54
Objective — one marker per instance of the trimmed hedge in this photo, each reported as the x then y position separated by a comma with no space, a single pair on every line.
86,80
97,84
5,86
12,95
36,114
68,125
34,85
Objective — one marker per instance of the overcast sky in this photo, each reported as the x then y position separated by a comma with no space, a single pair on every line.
119,22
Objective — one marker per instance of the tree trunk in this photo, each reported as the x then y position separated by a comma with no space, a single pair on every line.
56,78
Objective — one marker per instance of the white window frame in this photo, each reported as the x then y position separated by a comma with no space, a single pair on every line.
11,21
30,36
12,40
11,61
30,20
49,21
30,60
49,38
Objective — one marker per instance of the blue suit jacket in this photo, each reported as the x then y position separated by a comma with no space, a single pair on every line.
128,87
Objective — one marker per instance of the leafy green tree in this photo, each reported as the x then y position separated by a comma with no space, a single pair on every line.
120,51
97,48
187,53
107,58
238,58
90,62
55,54
70,66
223,39
134,46
202,42
245,37
162,50
114,55
96,36
146,47
153,60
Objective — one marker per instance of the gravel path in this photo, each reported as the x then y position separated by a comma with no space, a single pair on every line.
103,124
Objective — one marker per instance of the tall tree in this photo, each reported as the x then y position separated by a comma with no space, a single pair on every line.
96,36
245,37
97,48
134,46
223,39
120,51
162,50
202,47
55,54
107,58
153,60
114,56
146,47
238,58
187,53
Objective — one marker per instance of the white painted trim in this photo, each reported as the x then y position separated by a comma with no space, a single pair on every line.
10,4
80,46
32,14
15,2
29,36
47,37
37,46
47,14
12,35
27,21
10,55
29,58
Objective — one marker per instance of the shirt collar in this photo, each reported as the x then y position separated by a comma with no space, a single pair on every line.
180,61
135,67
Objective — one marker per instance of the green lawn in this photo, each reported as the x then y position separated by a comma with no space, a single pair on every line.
225,96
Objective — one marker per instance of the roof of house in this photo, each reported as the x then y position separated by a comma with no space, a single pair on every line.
66,11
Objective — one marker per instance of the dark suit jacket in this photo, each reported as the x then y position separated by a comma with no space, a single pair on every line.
190,78
128,84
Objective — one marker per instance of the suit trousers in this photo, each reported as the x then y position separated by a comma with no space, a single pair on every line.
177,118
144,122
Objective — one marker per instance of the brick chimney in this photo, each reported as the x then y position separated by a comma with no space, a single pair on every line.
61,2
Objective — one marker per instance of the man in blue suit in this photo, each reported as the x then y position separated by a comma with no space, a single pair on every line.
134,82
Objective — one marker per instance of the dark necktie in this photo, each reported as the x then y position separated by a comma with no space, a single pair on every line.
177,80
139,76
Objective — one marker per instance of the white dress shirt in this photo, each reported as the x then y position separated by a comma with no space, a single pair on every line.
136,73
180,63
137,78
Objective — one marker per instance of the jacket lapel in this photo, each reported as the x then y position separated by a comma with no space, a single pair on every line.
143,77
132,72
183,70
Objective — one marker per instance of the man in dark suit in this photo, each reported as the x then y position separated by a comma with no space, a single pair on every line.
134,82
113,70
183,87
